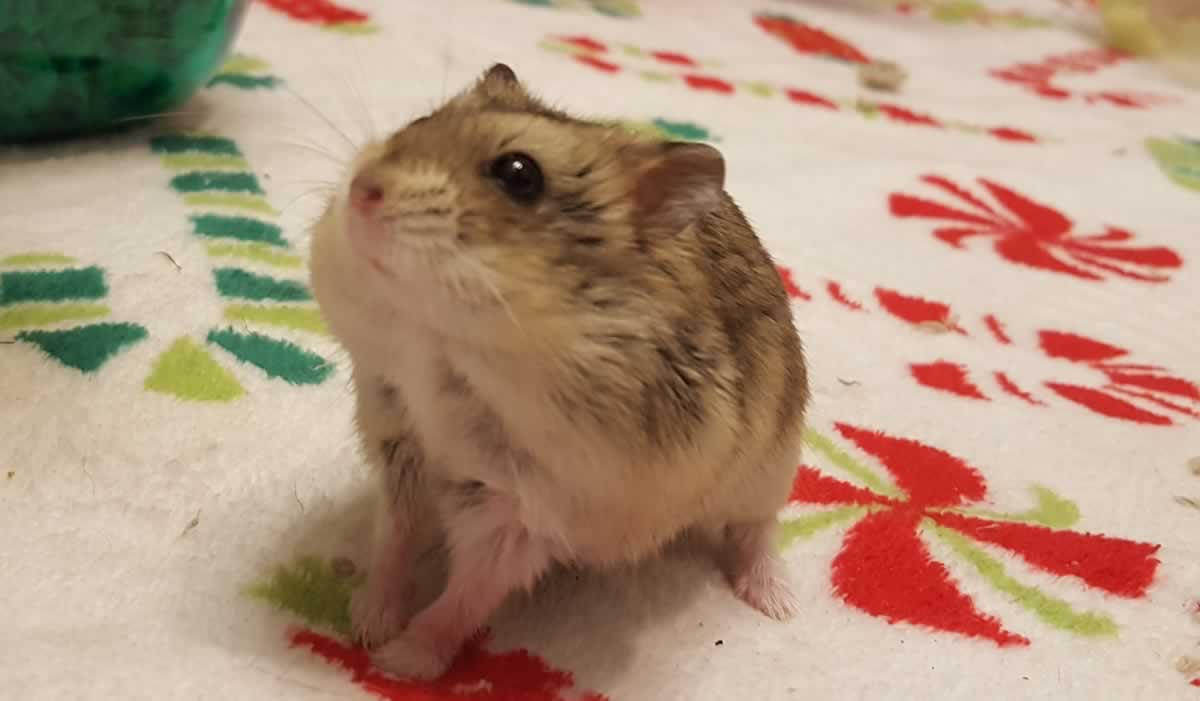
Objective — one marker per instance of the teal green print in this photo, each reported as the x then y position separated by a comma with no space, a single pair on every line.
276,357
240,284
51,285
219,226
85,348
218,180
180,143
30,299
210,175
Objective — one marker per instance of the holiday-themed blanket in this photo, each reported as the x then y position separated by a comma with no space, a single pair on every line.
993,251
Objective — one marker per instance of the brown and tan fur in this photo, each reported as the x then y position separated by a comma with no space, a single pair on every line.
580,379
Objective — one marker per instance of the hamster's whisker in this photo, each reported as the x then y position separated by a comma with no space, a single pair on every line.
322,116
340,161
155,115
366,121
484,276
307,193
448,60
320,184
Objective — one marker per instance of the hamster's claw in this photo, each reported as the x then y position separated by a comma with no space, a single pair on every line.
376,616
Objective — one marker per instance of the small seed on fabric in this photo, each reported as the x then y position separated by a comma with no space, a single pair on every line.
191,524
886,76
1188,665
168,256
939,325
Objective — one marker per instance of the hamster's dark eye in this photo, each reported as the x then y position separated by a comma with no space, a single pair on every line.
520,177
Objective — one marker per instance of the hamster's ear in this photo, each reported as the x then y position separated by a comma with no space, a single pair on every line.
683,182
498,81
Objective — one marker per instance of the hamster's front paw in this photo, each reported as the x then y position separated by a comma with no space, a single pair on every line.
377,615
411,656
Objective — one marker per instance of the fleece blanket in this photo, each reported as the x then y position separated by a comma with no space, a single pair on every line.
994,268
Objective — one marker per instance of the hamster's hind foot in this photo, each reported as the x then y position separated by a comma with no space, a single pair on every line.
765,589
411,656
755,573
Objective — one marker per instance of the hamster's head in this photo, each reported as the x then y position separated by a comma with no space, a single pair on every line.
496,207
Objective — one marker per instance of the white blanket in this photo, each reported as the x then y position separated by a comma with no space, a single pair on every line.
995,274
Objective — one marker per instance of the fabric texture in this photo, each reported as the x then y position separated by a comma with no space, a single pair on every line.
994,270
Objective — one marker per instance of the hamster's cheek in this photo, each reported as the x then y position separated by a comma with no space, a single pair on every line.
368,238
336,261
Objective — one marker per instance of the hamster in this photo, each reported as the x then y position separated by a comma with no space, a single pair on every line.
568,346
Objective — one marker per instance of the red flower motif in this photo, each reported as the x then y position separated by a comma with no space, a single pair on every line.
947,377
1147,383
585,43
916,310
1039,78
707,82
321,12
793,290
606,66
1032,234
805,97
1125,391
476,675
1008,134
903,114
808,39
673,57
884,568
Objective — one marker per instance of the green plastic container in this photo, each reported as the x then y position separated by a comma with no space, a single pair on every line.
75,67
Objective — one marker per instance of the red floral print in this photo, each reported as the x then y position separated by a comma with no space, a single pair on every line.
704,82
903,114
1144,394
673,57
916,310
947,377
885,569
1122,389
476,675
838,295
805,97
321,12
606,66
1148,383
1039,78
588,44
808,39
1028,233
668,64
1139,393
1012,135
790,285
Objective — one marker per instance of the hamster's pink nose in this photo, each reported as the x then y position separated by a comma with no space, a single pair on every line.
365,193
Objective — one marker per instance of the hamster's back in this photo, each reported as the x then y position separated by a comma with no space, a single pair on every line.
750,302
